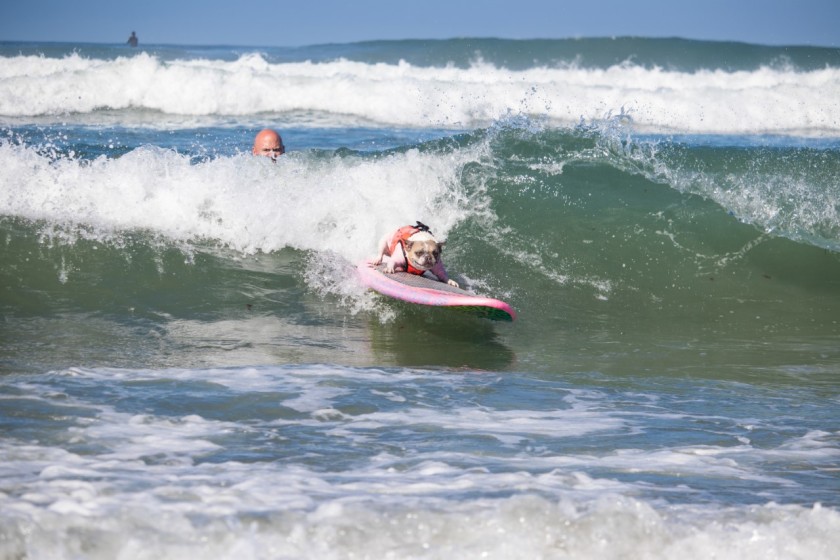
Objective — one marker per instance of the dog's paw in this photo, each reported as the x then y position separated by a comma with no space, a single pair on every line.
389,268
453,283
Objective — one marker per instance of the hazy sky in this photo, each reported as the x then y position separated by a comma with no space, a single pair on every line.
306,22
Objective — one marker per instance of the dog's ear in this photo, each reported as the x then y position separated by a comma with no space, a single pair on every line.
408,244
441,245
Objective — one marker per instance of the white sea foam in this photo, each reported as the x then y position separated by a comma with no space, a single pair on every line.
246,203
225,517
767,100
118,483
234,510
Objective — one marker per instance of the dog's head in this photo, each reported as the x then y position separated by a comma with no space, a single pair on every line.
422,250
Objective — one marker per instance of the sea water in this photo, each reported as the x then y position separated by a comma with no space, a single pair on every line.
189,368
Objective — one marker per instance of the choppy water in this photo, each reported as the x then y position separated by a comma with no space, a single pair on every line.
189,367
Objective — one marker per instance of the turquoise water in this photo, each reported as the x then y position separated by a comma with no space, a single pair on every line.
189,366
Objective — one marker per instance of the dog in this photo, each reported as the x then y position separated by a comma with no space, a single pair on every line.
413,249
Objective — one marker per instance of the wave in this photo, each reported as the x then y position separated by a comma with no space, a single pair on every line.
312,200
769,99
530,210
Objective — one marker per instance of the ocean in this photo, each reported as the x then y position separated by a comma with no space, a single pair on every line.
189,367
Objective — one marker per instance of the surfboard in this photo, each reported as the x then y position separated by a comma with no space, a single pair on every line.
427,291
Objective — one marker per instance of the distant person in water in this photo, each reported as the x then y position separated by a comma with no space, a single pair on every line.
133,39
268,143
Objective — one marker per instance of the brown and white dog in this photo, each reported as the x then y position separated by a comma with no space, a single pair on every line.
413,249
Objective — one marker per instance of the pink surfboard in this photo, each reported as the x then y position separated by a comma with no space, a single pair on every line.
426,291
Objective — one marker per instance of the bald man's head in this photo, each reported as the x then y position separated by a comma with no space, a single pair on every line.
268,143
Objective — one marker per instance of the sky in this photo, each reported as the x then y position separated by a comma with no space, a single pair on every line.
309,22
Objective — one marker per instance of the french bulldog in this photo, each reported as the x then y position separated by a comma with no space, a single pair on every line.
413,249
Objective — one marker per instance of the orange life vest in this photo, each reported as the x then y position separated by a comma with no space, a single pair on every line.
399,238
